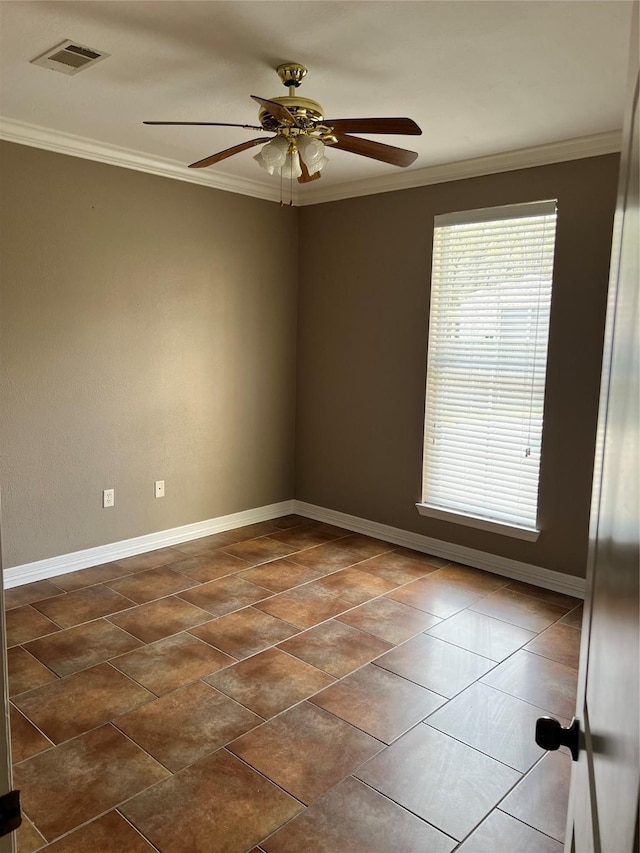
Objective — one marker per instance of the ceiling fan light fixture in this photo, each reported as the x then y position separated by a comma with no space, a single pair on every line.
301,134
273,155
316,167
291,168
311,149
282,156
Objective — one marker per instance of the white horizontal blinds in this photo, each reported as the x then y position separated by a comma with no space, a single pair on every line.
488,332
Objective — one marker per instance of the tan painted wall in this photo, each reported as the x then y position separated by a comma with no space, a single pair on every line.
146,333
362,342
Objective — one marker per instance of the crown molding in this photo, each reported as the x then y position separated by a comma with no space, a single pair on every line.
523,158
90,149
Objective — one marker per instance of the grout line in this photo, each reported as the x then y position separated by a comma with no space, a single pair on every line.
506,621
32,639
402,734
274,716
430,689
475,748
135,829
37,728
464,648
497,689
89,666
264,776
513,696
407,809
26,651
524,822
133,680
91,619
547,656
524,776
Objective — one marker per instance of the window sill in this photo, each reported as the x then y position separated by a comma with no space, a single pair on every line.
503,529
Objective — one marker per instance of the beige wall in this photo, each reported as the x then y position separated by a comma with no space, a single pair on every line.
362,342
146,333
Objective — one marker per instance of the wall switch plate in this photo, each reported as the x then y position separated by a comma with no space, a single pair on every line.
159,488
108,497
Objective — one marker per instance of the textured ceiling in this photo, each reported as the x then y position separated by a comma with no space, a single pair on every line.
480,78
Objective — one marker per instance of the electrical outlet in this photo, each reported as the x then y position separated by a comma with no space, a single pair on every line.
108,497
159,488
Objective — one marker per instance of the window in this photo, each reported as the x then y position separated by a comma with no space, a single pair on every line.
488,331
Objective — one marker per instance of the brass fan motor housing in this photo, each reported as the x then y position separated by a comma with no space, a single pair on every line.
307,112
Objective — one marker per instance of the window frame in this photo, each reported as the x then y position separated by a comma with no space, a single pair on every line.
451,514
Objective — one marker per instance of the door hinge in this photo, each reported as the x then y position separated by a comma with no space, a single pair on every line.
10,814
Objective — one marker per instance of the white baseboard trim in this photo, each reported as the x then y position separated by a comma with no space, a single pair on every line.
65,563
536,575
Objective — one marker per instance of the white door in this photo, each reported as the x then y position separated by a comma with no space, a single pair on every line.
7,843
605,783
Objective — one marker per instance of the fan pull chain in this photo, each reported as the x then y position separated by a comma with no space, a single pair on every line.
291,183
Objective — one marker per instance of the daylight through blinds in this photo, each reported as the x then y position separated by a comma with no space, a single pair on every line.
488,332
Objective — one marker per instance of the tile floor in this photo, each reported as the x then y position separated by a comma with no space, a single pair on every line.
289,687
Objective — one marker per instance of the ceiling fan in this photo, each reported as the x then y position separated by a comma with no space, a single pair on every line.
301,132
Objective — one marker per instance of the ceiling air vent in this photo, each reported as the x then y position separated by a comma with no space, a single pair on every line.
70,57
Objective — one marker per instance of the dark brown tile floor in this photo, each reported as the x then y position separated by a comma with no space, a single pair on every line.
284,687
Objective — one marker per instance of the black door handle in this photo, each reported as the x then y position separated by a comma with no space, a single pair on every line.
551,735
10,814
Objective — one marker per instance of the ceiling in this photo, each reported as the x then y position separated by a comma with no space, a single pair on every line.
480,78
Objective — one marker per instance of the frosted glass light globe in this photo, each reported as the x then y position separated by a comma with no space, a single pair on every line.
317,166
311,150
291,168
273,155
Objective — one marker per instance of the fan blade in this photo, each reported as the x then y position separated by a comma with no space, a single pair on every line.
305,177
374,125
206,124
375,150
276,110
229,152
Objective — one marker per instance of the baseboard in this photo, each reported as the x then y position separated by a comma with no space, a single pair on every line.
536,575
65,563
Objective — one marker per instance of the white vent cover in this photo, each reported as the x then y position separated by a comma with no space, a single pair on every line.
70,57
